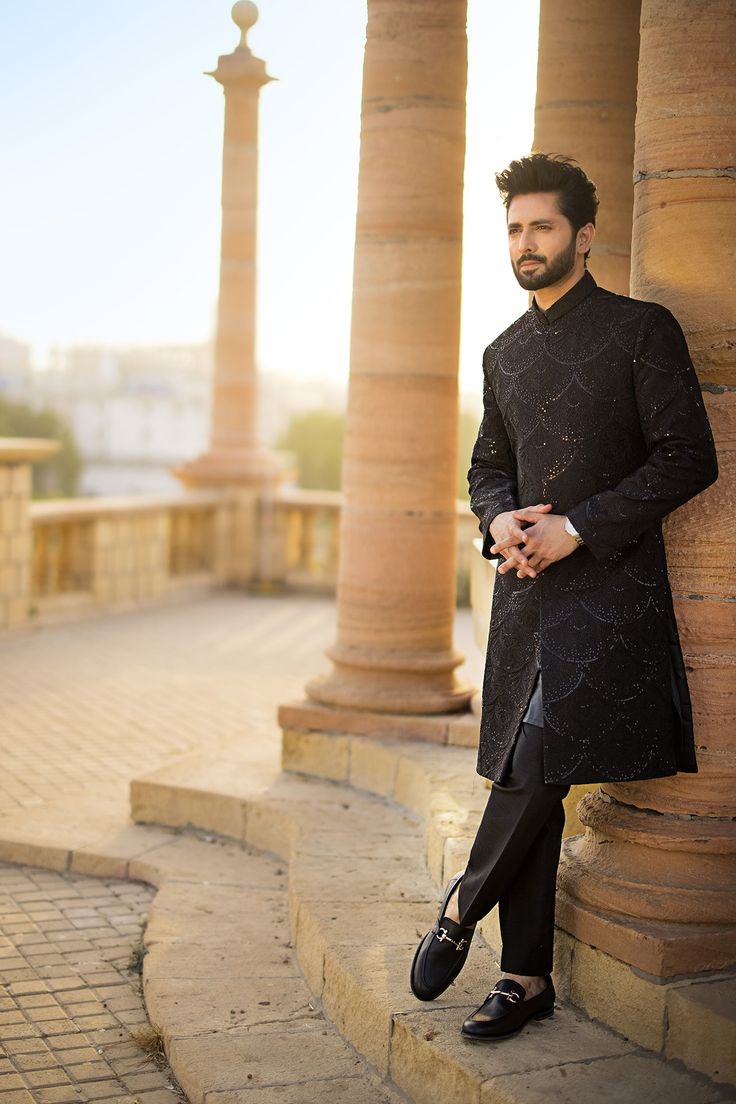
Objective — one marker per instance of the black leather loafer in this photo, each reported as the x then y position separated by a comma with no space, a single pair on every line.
504,1011
441,954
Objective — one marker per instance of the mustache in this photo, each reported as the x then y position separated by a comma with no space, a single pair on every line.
530,257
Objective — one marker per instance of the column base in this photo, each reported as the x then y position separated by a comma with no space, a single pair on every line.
655,891
381,680
233,467
661,949
459,729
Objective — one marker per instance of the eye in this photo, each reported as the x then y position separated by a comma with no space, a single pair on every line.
513,230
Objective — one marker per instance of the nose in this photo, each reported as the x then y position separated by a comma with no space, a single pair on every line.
526,241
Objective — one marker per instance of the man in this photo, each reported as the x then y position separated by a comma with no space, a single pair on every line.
593,430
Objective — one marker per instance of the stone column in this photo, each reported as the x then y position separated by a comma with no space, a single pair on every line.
396,578
17,455
653,881
586,100
234,455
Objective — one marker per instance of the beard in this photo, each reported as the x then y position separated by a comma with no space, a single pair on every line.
549,272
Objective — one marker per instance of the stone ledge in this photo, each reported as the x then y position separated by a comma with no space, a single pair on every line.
359,898
439,784
221,981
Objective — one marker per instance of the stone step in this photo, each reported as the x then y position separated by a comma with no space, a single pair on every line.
440,785
222,985
359,898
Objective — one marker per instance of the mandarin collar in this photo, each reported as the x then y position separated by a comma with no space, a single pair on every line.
579,291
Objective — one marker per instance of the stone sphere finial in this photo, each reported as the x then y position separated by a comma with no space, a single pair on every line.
244,14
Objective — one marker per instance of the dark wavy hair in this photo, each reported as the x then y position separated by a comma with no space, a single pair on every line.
551,172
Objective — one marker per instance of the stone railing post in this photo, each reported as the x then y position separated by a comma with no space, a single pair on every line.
17,455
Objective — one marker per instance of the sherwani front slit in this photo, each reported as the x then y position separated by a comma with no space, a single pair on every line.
593,406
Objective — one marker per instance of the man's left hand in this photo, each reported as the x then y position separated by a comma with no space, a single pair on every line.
546,538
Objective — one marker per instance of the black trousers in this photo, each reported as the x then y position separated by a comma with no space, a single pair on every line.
514,858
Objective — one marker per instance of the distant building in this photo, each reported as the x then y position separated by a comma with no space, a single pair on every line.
137,411
134,411
15,368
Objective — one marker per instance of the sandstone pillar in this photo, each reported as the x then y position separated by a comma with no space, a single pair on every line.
586,100
234,455
396,578
653,881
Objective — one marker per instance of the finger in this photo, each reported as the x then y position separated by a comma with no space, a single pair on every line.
515,534
529,513
540,508
512,564
518,556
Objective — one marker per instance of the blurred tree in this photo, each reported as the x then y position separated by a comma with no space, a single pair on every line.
59,475
315,439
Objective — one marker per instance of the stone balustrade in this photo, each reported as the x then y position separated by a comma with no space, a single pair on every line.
61,559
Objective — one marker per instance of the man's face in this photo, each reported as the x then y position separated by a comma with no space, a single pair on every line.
542,243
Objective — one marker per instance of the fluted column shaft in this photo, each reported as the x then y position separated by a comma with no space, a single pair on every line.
586,101
396,579
663,852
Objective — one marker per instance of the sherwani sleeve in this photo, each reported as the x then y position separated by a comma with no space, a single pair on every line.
681,458
492,473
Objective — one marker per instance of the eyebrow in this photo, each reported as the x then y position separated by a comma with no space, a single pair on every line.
534,222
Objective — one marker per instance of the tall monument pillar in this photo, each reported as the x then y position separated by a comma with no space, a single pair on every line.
653,881
234,455
396,579
586,101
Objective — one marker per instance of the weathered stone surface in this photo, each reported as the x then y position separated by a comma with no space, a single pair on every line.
187,1008
247,954
360,879
428,1054
340,1090
601,1081
311,715
197,912
612,992
316,753
241,1060
362,985
194,859
701,1028
110,856
373,766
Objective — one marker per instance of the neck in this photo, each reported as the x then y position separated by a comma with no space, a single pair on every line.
546,297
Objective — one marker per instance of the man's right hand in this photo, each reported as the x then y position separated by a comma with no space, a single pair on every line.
507,535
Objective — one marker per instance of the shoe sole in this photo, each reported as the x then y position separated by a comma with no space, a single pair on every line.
448,894
543,1015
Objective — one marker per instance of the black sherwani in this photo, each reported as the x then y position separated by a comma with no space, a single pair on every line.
595,407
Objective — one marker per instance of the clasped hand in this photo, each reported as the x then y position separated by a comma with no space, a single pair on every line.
544,540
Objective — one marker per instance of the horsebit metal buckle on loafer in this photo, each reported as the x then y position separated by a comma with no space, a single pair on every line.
443,934
513,997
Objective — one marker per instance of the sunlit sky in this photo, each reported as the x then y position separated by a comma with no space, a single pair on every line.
110,187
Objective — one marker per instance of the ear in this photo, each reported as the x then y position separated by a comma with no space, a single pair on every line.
585,237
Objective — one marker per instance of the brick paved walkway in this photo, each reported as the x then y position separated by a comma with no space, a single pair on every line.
83,709
69,1002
